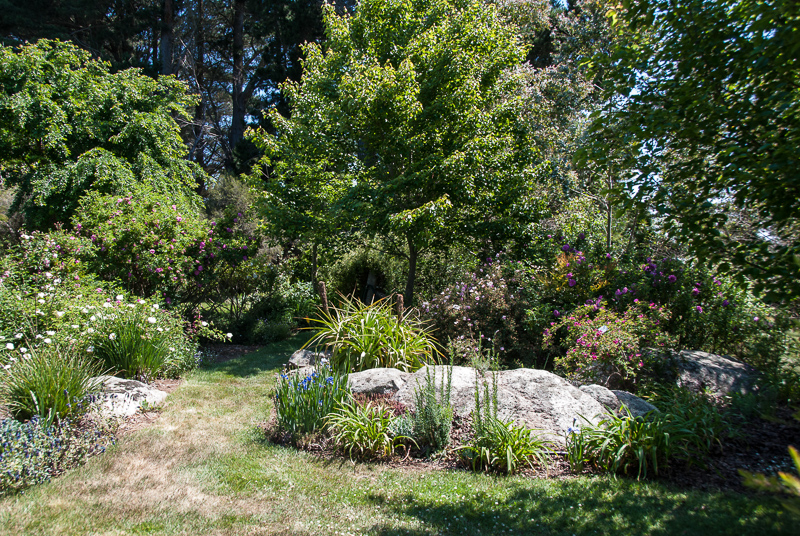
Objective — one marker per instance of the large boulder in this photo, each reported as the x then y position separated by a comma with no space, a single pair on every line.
122,398
721,375
534,398
614,400
379,381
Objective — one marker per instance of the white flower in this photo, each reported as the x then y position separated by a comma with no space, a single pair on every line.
40,295
6,367
51,333
85,311
38,335
112,336
140,301
9,346
59,314
74,326
131,305
90,349
40,301
56,281
229,335
106,305
92,318
18,336
160,329
48,275
23,349
155,306
120,297
90,330
151,319
48,341
204,324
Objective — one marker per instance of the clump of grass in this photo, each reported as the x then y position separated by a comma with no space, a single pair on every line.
52,382
365,430
362,337
502,446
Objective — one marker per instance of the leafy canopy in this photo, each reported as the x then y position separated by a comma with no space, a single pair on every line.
68,126
405,124
705,109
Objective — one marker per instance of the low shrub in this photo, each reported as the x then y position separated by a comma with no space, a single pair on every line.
52,382
433,415
606,347
303,402
33,452
362,337
706,423
364,430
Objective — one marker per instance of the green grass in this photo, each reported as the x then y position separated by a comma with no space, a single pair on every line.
202,468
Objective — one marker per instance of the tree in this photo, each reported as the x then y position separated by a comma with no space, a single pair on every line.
705,110
405,124
68,126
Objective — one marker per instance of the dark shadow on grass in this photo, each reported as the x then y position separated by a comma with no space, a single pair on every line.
270,358
592,507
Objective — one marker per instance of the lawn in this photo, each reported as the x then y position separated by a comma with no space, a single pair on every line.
204,468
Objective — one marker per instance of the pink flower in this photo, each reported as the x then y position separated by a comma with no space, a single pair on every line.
179,219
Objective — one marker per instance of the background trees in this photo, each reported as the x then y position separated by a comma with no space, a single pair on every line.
705,107
407,122
68,126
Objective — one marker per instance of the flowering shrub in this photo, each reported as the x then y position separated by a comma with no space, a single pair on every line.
159,245
51,382
303,402
484,307
606,347
35,451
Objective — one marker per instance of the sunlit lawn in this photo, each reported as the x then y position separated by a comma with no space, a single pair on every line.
202,468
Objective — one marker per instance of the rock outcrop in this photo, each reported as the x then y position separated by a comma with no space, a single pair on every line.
720,375
122,398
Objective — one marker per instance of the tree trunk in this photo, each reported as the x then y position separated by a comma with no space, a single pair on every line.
413,253
200,108
165,48
237,121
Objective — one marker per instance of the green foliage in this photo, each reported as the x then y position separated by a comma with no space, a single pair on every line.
69,126
609,348
433,414
303,402
35,451
129,350
364,430
52,382
159,245
625,444
406,122
361,337
502,446
702,115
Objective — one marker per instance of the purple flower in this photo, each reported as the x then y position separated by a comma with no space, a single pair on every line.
556,313
672,278
179,219
725,303
608,255
152,252
581,236
572,282
618,292
695,291
699,309
565,248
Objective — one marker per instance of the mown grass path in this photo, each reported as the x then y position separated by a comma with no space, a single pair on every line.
203,468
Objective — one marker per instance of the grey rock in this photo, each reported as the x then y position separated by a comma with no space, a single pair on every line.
636,405
378,381
614,400
122,398
534,398
303,358
721,375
